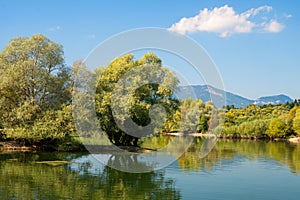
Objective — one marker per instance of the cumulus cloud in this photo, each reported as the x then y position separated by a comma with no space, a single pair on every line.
225,22
273,27
256,11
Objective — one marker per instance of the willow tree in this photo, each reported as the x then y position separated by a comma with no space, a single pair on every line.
134,98
33,78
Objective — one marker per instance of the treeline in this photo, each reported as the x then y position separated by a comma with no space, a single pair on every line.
269,121
36,90
251,122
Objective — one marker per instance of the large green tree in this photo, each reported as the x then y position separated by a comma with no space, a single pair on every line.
127,94
33,80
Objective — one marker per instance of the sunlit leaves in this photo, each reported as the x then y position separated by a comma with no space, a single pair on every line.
34,85
125,82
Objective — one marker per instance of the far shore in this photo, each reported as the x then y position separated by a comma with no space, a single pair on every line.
14,146
207,135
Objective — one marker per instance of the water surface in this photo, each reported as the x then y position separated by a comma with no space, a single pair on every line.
232,170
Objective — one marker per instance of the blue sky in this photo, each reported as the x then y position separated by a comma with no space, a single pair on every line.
256,56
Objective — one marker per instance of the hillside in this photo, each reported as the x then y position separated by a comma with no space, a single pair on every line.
219,97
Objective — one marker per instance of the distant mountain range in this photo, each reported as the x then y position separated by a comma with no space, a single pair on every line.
220,97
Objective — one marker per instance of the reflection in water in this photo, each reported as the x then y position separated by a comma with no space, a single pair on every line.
226,150
22,178
86,178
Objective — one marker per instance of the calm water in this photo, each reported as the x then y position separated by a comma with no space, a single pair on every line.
232,170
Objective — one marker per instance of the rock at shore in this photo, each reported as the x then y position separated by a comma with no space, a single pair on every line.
295,140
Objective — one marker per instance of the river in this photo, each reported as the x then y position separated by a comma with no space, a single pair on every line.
232,170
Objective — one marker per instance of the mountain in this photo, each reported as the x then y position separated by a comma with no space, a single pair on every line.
219,97
277,99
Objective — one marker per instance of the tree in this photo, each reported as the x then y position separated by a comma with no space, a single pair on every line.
203,123
296,122
229,118
290,118
190,112
33,79
131,97
277,128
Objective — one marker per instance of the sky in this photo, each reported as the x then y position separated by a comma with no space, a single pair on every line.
254,44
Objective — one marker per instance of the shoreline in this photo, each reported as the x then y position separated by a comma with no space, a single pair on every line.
207,135
14,146
11,146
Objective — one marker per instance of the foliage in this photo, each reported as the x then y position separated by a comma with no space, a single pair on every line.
124,98
269,121
53,125
256,128
296,122
277,127
35,90
191,116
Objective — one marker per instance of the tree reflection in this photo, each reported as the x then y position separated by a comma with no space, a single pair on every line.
22,178
226,150
151,185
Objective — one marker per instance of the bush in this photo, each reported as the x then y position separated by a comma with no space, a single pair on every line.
277,128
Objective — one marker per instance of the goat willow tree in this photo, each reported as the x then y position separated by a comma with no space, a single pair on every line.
33,79
127,94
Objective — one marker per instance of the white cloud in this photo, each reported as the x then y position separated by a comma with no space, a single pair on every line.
273,27
287,16
225,21
256,11
54,28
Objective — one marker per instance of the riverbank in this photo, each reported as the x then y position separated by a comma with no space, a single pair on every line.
11,146
295,140
16,146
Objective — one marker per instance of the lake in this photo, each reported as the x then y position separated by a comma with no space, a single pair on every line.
232,170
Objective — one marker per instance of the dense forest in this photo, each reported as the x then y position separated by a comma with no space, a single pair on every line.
36,89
